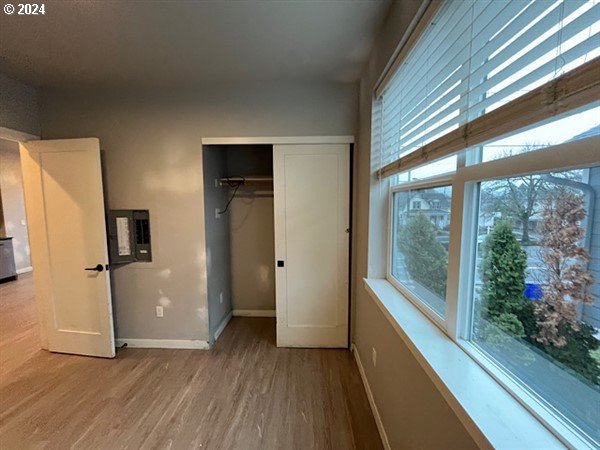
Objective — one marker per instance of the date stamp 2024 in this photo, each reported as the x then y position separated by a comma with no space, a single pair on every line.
25,9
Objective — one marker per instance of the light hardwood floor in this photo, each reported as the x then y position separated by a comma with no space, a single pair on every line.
19,339
243,394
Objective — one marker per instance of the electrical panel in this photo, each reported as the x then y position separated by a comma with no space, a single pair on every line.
129,236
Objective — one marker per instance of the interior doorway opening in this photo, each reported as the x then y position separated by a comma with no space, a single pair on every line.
19,320
14,240
239,226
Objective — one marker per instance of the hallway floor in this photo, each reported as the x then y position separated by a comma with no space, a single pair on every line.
243,394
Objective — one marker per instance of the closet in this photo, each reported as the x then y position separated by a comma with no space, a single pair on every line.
277,219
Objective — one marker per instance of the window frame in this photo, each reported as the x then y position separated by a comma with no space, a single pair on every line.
462,253
428,183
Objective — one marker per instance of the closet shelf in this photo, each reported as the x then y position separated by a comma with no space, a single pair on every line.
258,181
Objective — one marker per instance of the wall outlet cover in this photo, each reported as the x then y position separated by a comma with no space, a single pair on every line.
159,311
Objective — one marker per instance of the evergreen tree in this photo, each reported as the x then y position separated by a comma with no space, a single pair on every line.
425,258
503,275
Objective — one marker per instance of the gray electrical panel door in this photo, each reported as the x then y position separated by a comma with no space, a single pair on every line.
129,236
143,250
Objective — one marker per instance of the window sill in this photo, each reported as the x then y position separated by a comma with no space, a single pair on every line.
491,415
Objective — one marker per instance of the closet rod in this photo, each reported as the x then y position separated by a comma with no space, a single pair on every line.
247,181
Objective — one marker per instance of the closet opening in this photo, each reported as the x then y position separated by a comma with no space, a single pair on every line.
277,238
239,234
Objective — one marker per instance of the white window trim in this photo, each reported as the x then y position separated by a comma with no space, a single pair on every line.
438,181
461,256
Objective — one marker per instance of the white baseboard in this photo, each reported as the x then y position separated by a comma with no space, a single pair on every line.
253,313
222,325
363,375
163,343
24,270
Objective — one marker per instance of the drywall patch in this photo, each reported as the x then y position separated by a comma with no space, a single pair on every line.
203,286
202,313
265,278
180,180
208,259
165,302
165,273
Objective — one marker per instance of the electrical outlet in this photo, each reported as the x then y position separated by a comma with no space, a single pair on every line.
217,215
374,357
159,311
221,298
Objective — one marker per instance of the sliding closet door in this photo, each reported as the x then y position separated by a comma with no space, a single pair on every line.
311,189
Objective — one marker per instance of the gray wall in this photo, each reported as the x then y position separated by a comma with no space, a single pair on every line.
152,145
13,203
18,106
218,279
252,237
413,412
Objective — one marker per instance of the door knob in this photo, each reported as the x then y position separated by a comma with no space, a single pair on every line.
98,268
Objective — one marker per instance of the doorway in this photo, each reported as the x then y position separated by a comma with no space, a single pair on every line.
277,236
64,204
238,206
14,239
20,330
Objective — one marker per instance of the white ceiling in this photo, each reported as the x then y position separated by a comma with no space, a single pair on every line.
160,43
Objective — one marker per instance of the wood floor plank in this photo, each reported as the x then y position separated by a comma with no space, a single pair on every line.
244,393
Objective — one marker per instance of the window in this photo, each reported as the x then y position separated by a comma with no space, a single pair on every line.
528,304
510,267
534,311
419,257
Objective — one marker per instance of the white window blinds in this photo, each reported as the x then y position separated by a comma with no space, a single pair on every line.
475,56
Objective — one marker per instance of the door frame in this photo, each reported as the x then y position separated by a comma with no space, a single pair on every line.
275,140
280,140
17,136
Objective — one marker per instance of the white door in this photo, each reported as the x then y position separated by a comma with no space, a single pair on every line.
64,200
311,198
